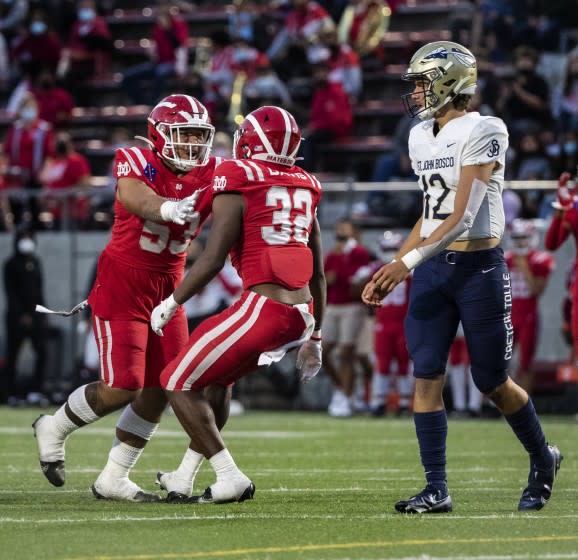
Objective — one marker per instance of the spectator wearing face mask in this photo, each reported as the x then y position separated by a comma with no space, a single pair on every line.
23,283
27,144
37,46
168,55
524,100
331,116
88,51
55,104
65,170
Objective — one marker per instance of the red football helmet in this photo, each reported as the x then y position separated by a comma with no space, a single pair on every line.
388,245
269,134
524,236
180,129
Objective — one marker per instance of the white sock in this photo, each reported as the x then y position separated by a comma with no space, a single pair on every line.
62,424
379,389
458,384
405,384
224,465
121,459
474,397
190,465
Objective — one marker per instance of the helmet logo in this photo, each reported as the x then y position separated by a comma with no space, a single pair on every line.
438,53
466,59
442,53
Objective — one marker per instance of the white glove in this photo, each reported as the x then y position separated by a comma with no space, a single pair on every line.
162,314
309,359
180,211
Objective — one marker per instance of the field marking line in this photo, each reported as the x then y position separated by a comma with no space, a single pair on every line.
329,546
254,516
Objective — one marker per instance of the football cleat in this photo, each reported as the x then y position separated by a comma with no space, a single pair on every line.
173,484
429,500
536,495
121,489
50,451
218,493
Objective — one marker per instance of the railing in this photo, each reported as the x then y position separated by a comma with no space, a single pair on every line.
90,208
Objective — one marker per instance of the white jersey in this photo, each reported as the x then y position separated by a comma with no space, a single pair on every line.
437,161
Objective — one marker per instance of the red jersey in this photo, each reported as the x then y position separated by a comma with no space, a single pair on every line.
560,228
541,265
65,172
280,205
168,40
27,148
53,104
331,110
151,245
346,266
43,49
308,21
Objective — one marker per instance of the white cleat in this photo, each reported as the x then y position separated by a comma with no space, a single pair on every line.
121,489
50,450
171,482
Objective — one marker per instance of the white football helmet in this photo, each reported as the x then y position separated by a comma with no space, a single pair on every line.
446,70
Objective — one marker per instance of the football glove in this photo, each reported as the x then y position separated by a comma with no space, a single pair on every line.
179,211
565,193
309,359
162,314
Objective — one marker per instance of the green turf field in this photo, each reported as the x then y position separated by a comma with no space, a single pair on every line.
325,489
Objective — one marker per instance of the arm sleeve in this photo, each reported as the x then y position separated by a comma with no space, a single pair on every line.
488,142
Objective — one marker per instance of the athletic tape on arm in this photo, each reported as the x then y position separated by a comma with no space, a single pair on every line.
420,254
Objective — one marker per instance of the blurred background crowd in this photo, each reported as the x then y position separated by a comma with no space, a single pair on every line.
79,77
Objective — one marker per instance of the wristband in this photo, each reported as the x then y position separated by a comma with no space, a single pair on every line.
166,210
412,259
172,304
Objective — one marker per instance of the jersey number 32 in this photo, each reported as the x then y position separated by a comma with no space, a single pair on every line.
288,225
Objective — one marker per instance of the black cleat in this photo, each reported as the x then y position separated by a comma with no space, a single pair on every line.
177,498
536,495
429,500
54,471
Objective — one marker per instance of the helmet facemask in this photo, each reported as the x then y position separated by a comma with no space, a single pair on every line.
178,148
431,101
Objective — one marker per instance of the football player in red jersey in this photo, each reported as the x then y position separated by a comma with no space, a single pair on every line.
564,223
264,214
529,273
163,196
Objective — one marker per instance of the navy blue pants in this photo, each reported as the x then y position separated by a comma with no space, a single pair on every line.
473,288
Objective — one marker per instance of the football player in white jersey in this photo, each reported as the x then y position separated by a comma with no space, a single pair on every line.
459,270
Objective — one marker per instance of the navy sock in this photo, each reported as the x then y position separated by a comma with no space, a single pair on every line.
431,429
527,428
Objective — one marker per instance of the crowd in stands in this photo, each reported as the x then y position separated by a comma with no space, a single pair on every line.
314,57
